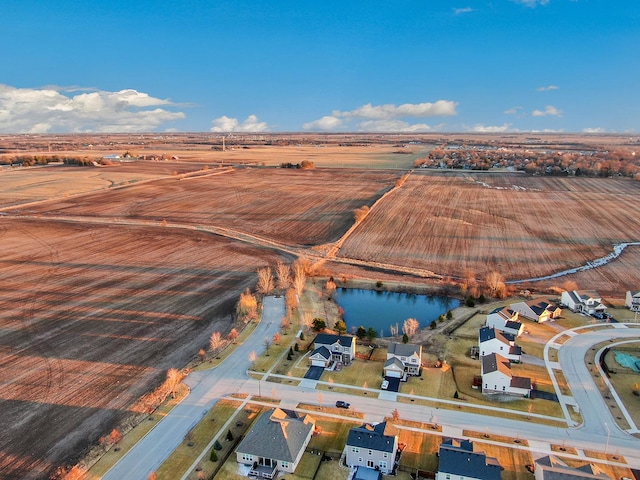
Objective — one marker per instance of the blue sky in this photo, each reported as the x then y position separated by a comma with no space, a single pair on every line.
395,65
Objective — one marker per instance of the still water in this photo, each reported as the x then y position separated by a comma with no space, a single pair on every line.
380,310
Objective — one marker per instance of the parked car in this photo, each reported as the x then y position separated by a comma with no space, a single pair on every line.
341,404
385,384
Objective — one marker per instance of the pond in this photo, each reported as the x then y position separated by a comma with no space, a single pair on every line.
380,310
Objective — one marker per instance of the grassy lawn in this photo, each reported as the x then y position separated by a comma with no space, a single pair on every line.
357,416
420,451
188,451
512,460
361,373
333,433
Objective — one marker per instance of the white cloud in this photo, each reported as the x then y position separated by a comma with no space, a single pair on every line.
384,117
328,122
480,128
32,110
513,111
460,11
228,124
531,3
548,88
549,110
392,125
441,108
593,130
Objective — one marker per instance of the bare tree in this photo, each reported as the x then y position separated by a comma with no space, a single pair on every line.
174,377
215,342
285,324
569,285
152,476
247,305
330,287
410,326
276,338
301,268
360,213
495,284
202,354
233,335
283,272
395,414
253,356
395,329
307,319
267,344
115,436
265,280
291,300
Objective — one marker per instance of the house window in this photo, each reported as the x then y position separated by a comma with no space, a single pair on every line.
404,359
503,388
495,387
355,450
360,461
370,463
383,465
284,464
385,455
370,452
448,477
414,360
247,457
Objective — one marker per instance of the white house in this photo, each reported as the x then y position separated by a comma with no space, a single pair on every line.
342,348
409,356
552,468
537,310
497,377
583,302
458,461
372,446
276,442
506,320
491,340
632,301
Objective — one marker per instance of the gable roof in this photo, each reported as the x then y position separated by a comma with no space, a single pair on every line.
458,458
489,333
279,434
495,362
404,349
555,469
394,362
380,437
322,351
330,339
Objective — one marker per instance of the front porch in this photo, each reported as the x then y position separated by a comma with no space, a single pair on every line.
264,468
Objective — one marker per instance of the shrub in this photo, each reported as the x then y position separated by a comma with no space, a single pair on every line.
470,302
296,347
229,436
379,284
405,338
301,338
217,445
214,456
449,315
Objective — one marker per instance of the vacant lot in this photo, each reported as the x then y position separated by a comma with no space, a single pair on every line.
519,225
92,317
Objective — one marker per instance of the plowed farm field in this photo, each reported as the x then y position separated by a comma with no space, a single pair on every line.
521,226
91,319
294,207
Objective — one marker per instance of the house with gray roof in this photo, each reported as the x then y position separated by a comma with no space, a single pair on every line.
406,354
506,320
537,310
458,461
276,442
583,302
491,340
372,446
341,347
552,468
632,301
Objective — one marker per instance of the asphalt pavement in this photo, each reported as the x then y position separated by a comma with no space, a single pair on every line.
207,387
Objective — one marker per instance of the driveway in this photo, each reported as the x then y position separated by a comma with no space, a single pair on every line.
207,387
314,373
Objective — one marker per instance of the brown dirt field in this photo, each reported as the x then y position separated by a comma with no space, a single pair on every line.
290,206
520,225
92,317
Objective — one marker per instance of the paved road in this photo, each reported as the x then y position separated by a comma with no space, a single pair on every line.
597,415
207,387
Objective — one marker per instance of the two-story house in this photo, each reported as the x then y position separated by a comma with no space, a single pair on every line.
372,446
329,348
583,302
632,301
506,320
537,310
458,461
276,442
498,378
403,359
491,340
